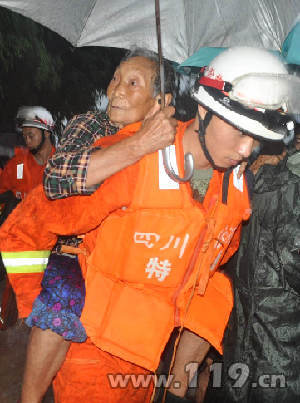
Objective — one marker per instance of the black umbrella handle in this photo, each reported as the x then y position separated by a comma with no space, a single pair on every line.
160,58
188,158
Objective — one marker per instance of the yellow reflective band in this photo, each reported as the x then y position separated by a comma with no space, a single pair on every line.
25,262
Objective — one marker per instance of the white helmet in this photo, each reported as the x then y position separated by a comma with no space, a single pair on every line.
250,88
35,116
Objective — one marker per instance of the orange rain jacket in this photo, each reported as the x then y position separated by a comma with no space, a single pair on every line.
154,245
29,247
92,375
21,174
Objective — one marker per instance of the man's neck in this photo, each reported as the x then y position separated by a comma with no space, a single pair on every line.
191,144
42,156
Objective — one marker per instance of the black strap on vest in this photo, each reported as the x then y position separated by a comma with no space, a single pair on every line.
225,185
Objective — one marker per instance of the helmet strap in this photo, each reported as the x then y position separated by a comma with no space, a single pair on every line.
203,123
34,151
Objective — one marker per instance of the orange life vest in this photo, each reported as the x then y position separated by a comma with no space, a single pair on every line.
149,255
22,173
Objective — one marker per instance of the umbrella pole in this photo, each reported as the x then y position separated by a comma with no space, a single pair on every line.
188,158
159,48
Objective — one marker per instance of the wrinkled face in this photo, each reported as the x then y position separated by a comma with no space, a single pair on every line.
227,145
130,92
32,137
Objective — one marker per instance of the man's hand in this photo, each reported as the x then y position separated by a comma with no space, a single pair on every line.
266,159
242,168
158,131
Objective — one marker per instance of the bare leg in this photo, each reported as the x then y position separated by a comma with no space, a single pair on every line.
46,352
203,380
191,349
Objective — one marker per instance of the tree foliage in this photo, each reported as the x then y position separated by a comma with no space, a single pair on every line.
38,67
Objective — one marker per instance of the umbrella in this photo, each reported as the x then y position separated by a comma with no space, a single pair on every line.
186,25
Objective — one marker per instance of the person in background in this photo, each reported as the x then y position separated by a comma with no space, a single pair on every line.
22,173
25,169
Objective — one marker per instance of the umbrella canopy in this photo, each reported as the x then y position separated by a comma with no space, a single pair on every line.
289,50
186,25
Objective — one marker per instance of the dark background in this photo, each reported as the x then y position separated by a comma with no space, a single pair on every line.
38,67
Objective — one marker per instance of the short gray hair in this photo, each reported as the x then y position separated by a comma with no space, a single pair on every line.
169,84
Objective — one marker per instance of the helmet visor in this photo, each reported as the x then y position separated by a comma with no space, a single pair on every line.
267,91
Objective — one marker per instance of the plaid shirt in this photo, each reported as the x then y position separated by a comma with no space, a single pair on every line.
65,172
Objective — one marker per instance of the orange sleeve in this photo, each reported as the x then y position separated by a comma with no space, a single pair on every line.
37,221
7,176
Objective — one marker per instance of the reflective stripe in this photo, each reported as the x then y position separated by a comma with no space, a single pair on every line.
25,262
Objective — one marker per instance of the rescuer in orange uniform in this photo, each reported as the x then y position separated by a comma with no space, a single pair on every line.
153,250
25,169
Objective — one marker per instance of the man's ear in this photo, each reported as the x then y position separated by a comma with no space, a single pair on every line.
202,111
168,99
